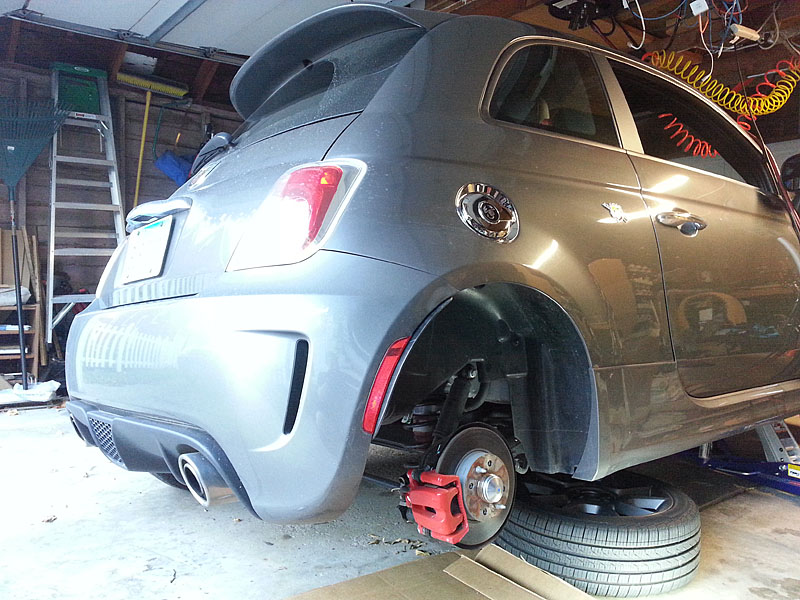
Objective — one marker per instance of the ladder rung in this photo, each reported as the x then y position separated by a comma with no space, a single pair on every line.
79,160
87,206
88,116
86,235
83,251
70,298
95,124
83,182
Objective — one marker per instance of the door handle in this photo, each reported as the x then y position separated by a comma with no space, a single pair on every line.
148,212
687,223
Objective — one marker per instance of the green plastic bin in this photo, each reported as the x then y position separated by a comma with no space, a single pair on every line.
77,87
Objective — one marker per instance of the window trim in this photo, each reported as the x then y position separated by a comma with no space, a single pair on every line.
502,60
618,105
633,131
678,165
626,124
680,85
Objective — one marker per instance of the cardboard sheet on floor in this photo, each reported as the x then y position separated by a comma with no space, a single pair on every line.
489,573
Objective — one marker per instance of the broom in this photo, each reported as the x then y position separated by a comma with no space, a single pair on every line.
149,84
26,127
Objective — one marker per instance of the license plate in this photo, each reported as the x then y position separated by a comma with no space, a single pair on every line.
147,248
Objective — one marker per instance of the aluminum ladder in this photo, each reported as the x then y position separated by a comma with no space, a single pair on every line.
92,176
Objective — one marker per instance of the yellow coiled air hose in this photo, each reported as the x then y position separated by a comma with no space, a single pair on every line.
759,104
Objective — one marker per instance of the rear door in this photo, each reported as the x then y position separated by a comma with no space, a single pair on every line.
729,252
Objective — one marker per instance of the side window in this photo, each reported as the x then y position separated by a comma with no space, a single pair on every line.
556,89
676,126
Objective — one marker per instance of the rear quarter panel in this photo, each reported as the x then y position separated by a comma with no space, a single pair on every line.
423,138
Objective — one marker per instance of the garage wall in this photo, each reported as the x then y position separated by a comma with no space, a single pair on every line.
128,111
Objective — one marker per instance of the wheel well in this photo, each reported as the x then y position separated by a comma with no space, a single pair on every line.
535,378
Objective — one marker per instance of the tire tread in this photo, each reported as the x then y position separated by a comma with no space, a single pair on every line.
610,556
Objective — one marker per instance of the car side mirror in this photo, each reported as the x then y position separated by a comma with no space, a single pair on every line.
211,148
790,173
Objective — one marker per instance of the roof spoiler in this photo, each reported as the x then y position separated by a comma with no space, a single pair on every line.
290,52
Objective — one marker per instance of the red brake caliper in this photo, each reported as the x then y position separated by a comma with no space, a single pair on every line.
431,502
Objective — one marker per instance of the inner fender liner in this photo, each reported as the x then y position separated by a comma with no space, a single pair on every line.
534,359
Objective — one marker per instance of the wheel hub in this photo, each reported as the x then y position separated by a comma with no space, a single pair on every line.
479,457
485,480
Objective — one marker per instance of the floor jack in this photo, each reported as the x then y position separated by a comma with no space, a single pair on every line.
780,470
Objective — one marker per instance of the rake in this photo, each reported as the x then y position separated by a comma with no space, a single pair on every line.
26,127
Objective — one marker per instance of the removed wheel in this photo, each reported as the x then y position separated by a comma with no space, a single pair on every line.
626,535
170,479
480,457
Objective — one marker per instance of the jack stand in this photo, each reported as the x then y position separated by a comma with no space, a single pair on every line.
780,470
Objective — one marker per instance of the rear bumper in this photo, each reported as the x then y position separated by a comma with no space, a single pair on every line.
222,365
141,444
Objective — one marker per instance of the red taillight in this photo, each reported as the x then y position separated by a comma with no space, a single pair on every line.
315,187
378,391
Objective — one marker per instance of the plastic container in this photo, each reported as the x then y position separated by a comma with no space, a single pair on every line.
77,87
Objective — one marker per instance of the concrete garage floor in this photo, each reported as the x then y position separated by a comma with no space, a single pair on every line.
72,525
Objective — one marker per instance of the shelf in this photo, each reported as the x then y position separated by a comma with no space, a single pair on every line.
31,338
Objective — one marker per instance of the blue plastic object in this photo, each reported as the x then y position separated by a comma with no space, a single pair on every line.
175,167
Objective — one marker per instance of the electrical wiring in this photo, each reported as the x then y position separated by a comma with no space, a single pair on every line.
687,143
727,14
678,22
644,29
624,30
703,39
721,94
681,5
604,35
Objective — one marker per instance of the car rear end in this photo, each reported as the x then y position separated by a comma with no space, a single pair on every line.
223,328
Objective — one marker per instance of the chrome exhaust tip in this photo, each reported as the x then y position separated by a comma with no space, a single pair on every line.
204,482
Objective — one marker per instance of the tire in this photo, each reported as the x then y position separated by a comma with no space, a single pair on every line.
170,479
647,549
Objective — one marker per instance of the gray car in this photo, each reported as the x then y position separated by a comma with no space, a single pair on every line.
507,251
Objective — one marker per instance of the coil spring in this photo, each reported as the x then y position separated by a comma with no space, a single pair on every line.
719,93
688,142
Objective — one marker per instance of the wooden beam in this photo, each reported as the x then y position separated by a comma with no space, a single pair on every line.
13,40
116,61
494,8
202,80
539,16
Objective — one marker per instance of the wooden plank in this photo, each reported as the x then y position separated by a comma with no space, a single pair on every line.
13,41
495,8
539,16
26,268
40,324
116,61
36,333
202,80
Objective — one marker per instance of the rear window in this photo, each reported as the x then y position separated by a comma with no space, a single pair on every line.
556,89
342,82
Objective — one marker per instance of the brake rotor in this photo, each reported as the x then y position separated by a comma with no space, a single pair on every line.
480,457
